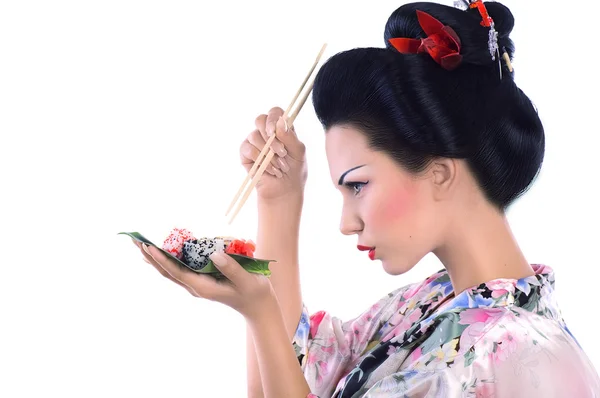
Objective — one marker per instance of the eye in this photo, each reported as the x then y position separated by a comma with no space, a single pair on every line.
356,186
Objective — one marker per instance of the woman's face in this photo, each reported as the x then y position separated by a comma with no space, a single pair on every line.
388,209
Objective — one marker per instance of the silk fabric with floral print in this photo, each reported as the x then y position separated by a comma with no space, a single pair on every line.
503,338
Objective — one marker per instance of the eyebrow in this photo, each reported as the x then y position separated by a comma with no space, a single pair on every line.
341,181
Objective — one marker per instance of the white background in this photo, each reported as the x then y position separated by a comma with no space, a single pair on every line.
127,116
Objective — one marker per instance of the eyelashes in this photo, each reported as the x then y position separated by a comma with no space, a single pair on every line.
355,187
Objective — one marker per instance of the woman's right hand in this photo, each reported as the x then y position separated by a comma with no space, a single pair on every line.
287,173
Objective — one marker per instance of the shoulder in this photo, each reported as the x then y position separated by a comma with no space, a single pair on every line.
523,354
506,352
468,334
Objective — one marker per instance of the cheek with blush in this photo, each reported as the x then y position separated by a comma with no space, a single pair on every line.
392,205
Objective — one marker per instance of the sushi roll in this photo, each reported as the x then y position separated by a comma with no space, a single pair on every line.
175,241
194,253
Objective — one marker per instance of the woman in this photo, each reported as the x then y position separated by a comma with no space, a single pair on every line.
429,141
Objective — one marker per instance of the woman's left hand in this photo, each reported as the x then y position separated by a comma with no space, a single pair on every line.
245,292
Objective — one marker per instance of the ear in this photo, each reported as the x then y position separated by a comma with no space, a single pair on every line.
444,175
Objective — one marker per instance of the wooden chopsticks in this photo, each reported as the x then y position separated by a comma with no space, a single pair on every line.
257,174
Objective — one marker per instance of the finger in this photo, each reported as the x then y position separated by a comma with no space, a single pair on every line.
164,272
286,134
257,140
203,285
266,125
139,245
261,124
150,260
230,268
249,154
272,118
257,143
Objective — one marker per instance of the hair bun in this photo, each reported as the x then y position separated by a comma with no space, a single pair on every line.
467,24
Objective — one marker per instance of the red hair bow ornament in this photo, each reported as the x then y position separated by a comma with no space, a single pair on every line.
442,42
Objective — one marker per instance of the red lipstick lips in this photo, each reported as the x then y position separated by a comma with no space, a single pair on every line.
370,249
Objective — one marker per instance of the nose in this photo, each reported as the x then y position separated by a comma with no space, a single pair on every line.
350,223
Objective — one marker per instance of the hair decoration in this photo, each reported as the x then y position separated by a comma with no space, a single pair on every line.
462,4
487,22
507,60
442,42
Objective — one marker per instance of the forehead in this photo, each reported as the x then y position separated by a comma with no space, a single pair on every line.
346,147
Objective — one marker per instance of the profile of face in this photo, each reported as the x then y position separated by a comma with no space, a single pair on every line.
399,214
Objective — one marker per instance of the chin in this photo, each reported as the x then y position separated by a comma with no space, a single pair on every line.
395,267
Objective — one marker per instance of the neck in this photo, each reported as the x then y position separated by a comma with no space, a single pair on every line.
481,248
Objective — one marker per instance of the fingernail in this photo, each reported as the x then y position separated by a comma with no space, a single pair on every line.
283,164
278,173
282,125
145,247
218,258
270,129
281,151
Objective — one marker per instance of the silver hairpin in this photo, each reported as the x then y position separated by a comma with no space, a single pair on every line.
462,4
500,65
493,41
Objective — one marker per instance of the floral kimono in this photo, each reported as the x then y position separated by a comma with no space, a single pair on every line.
503,338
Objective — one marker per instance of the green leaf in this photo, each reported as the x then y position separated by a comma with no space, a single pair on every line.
446,329
250,264
469,357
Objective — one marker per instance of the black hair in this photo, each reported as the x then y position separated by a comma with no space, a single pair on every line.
411,108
